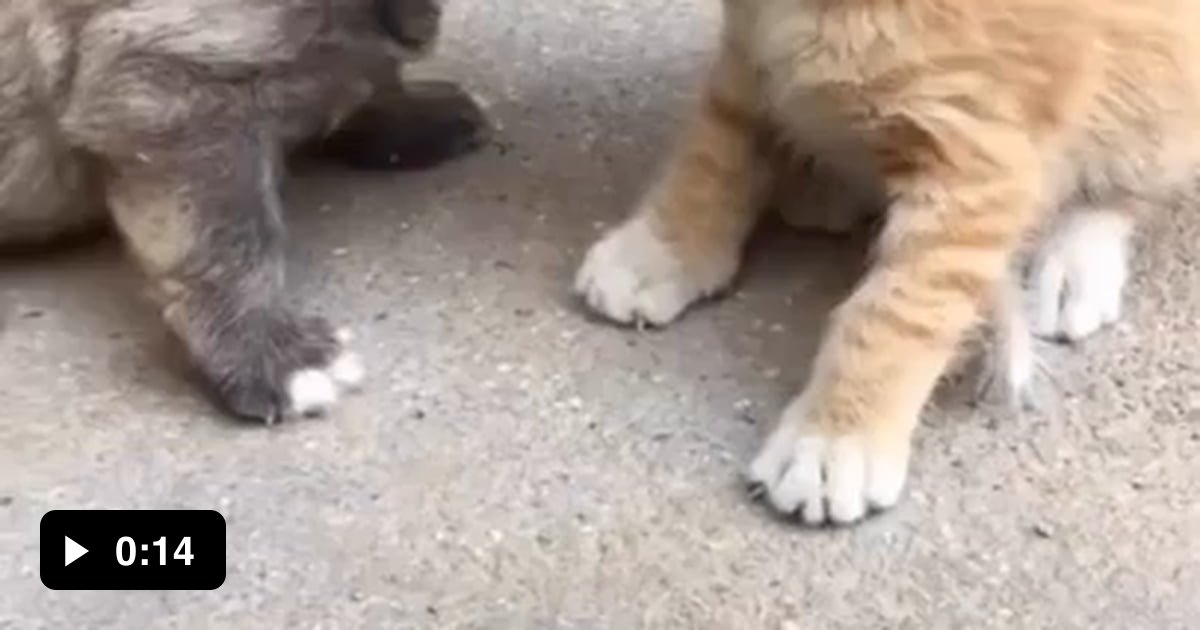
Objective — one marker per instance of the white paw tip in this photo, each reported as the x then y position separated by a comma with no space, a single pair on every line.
886,484
631,275
1080,326
312,392
607,287
821,479
1081,274
343,335
846,481
348,370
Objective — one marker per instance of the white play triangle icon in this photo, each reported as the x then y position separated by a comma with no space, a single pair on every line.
72,551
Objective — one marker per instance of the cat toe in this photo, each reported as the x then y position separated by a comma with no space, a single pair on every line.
632,276
1080,276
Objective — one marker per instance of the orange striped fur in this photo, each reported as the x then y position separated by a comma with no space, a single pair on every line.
981,122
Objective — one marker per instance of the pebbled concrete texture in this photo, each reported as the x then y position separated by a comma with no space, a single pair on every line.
513,463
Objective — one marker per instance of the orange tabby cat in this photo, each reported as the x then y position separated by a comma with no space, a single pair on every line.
981,122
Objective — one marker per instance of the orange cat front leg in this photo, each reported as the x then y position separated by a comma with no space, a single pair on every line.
685,241
842,445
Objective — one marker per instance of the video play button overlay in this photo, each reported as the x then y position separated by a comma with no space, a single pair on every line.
128,550
72,551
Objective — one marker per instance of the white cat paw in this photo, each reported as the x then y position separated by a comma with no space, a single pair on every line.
819,477
1079,275
633,276
315,391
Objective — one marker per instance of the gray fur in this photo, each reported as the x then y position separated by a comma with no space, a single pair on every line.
173,117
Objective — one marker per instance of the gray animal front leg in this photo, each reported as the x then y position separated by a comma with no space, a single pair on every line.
206,224
413,126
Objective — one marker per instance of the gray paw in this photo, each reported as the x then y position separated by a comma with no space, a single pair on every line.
269,367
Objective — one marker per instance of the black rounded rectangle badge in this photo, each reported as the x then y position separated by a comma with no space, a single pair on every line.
119,550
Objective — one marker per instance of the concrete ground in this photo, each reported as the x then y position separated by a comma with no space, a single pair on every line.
515,464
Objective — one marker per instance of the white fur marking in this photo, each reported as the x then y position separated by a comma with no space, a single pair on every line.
1080,275
886,474
821,477
846,480
347,370
312,392
631,276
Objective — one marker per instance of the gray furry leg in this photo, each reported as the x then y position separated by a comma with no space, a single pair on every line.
206,224
416,125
